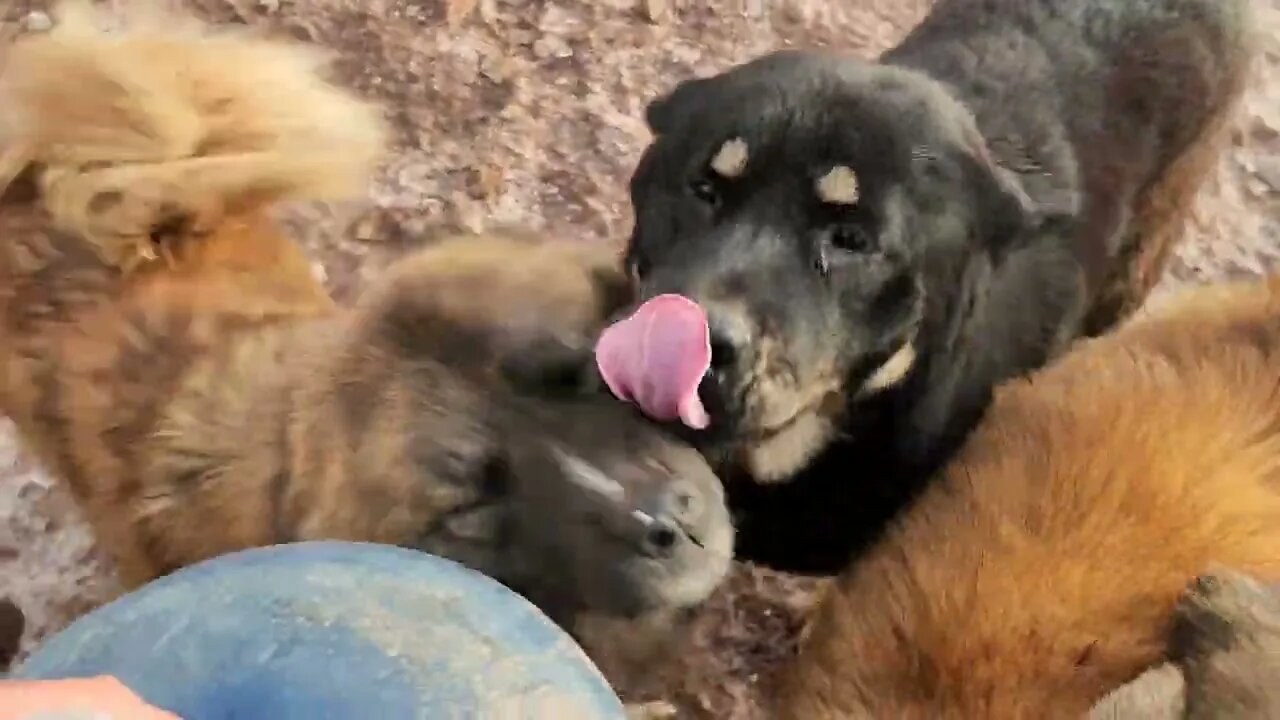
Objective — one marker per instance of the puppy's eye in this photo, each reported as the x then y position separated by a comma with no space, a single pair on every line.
705,190
852,238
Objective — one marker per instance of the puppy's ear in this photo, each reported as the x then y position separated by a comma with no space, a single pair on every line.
1007,216
551,368
663,114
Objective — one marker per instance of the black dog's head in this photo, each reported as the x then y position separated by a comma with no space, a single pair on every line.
802,200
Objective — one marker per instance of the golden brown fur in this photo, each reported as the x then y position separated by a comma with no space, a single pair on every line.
220,400
1042,570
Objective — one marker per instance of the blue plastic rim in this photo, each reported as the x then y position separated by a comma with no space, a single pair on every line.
332,631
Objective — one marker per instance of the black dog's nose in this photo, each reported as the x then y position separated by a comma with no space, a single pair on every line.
729,338
723,350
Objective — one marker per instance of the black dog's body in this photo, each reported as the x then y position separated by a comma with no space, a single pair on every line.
1023,168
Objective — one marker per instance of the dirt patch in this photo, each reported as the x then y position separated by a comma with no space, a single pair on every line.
529,112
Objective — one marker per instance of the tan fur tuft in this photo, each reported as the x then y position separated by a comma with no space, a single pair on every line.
730,160
160,123
839,186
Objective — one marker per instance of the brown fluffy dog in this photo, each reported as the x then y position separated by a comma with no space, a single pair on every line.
220,400
1043,568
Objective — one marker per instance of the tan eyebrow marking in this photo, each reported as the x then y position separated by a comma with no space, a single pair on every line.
731,160
839,186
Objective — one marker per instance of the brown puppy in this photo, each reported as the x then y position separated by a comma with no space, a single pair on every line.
223,402
875,245
1043,568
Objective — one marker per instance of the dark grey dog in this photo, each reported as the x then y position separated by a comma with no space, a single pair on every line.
874,245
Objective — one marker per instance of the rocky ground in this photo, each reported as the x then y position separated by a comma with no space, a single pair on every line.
529,112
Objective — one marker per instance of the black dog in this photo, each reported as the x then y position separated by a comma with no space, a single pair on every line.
873,246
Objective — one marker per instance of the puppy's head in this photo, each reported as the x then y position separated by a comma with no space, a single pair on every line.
796,200
588,505
610,513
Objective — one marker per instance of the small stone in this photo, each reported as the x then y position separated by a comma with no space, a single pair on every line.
489,181
655,11
457,11
550,46
1268,170
370,227
37,21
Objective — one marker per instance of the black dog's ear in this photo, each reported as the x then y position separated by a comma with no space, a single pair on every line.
662,114
1007,216
551,368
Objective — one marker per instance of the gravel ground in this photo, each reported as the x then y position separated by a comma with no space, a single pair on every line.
529,112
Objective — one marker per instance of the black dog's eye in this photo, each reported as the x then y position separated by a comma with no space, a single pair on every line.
852,238
706,191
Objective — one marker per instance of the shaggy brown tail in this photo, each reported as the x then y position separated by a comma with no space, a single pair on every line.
160,126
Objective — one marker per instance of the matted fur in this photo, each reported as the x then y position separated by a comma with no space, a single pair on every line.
189,122
1043,569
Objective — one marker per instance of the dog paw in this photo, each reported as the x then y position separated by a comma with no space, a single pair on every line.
1222,610
1226,638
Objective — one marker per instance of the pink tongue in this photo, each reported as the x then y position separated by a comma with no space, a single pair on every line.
656,358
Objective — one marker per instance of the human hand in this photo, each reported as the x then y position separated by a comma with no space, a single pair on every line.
96,698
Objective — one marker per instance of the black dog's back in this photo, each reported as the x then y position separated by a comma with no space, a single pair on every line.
1120,99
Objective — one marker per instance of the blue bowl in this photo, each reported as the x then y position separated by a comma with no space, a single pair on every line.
332,631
